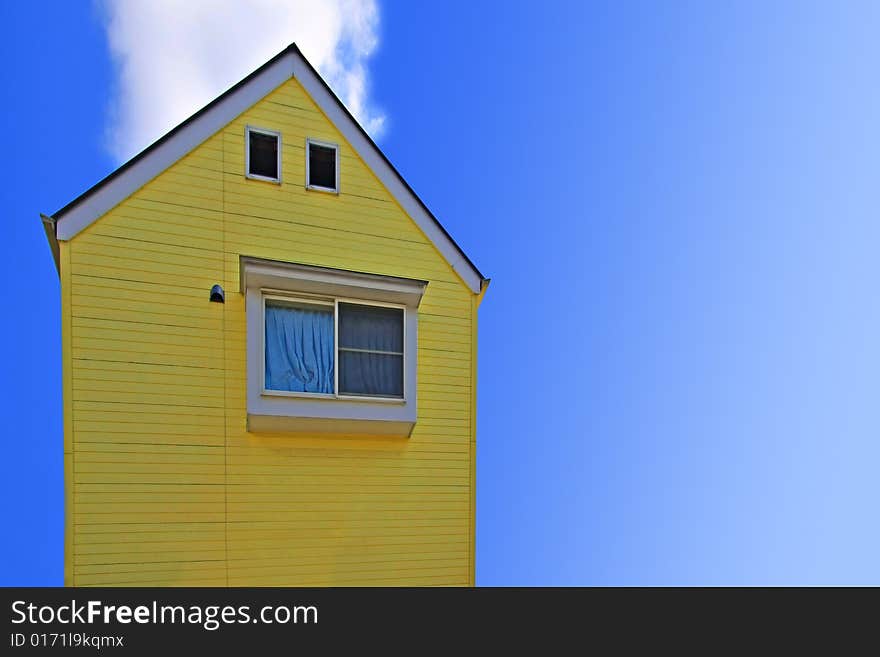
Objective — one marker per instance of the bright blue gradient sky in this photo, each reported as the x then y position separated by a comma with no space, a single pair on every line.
678,204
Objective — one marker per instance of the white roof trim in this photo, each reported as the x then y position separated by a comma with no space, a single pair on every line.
190,136
386,174
195,131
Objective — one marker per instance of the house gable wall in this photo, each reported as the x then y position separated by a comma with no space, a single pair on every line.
165,484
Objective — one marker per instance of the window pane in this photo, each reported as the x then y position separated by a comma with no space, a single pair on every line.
263,155
363,373
375,328
299,347
370,350
322,166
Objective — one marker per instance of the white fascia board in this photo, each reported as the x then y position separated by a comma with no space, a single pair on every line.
303,72
191,135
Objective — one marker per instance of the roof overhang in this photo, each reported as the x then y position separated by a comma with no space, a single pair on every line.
49,227
290,63
260,273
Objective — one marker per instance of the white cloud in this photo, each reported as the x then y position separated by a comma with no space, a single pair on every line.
174,57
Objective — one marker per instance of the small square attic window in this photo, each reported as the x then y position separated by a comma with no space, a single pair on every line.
322,166
263,154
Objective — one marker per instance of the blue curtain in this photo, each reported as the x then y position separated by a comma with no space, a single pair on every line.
299,348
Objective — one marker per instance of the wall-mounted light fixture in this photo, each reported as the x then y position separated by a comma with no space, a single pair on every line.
217,294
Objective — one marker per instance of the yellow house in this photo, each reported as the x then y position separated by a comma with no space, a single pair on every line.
269,349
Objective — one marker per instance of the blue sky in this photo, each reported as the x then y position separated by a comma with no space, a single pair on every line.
677,204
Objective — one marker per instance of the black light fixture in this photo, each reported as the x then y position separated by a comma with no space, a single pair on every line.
217,294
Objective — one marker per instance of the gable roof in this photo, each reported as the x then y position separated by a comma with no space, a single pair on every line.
89,206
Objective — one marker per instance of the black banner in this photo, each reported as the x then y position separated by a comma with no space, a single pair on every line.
132,620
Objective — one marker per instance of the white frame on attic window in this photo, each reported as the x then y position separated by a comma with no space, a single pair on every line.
248,129
324,144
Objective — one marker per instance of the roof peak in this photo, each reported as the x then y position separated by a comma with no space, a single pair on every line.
183,138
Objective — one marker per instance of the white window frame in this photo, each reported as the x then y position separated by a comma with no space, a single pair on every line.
325,144
309,414
248,129
280,295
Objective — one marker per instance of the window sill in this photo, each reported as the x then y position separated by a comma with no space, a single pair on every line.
257,423
331,397
253,176
325,190
291,412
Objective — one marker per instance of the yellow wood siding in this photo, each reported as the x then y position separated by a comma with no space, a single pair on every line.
165,484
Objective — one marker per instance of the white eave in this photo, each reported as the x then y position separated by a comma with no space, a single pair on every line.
260,273
122,183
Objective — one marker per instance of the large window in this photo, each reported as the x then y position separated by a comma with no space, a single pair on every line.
335,347
330,350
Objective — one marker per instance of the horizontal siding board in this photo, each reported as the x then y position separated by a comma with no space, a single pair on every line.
179,396
171,275
168,517
183,575
293,547
98,243
347,562
348,580
182,455
144,355
147,325
101,383
105,552
194,280
156,562
113,332
138,254
342,569
137,530
348,458
88,437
